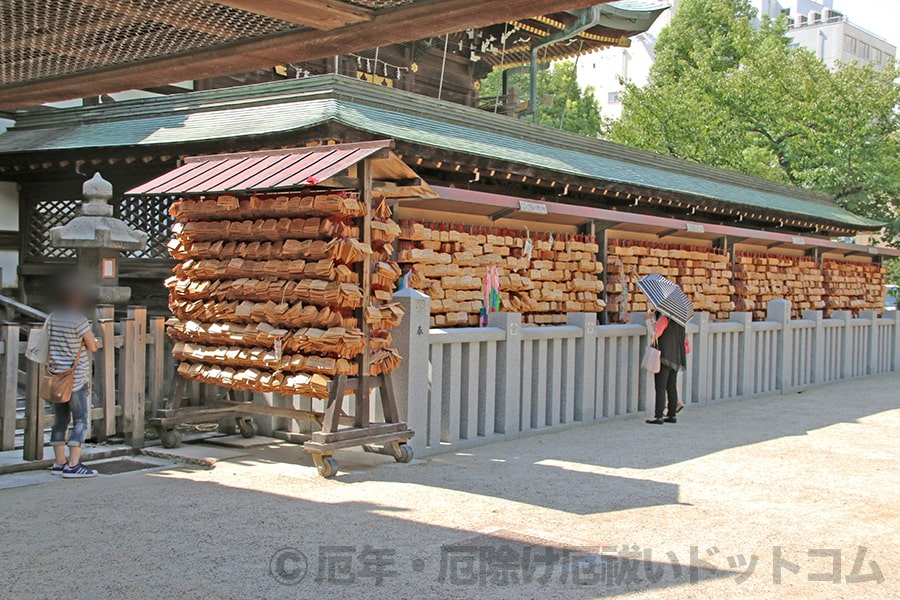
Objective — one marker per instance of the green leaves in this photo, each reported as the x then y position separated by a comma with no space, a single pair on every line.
726,94
576,109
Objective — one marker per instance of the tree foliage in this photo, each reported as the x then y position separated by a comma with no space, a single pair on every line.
575,108
730,95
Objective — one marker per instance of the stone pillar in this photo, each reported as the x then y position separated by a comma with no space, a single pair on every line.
896,341
509,372
646,385
779,311
702,359
872,349
585,366
846,317
411,379
747,361
818,345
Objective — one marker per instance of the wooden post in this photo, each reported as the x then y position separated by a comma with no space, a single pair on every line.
9,338
34,415
602,237
105,375
362,391
157,359
138,366
126,378
817,345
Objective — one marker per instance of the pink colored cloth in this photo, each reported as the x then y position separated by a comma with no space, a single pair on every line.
660,327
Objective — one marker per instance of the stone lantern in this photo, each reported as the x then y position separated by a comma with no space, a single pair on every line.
99,239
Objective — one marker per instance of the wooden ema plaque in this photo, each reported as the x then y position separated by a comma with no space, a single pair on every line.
290,293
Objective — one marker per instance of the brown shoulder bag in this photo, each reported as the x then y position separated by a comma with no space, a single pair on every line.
57,387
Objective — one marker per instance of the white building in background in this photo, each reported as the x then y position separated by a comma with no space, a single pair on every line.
814,25
829,33
602,69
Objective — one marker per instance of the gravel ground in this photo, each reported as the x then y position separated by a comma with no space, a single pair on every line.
607,510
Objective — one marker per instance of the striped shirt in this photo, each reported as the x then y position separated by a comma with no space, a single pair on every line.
66,329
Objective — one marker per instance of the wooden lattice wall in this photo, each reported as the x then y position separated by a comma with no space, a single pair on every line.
151,215
146,214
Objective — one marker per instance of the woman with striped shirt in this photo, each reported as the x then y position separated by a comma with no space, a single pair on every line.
70,337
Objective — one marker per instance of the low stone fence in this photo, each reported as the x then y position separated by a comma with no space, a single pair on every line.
464,387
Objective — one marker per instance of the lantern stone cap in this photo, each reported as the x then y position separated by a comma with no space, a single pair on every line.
95,226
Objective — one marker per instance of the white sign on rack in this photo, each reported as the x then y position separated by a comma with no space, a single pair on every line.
695,228
532,207
797,240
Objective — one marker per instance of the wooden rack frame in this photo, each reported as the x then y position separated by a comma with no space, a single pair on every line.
338,429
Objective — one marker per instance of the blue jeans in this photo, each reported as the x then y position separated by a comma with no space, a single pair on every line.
77,408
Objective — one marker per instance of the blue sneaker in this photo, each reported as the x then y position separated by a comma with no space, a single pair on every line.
77,472
57,469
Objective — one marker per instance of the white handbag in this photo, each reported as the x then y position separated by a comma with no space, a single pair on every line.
652,362
38,347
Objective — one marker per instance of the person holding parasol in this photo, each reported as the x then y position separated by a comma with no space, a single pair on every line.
666,327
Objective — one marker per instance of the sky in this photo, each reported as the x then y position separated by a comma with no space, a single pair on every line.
881,17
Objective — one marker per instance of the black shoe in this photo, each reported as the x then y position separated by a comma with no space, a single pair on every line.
655,421
670,420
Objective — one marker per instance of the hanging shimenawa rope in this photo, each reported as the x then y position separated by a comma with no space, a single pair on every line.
502,62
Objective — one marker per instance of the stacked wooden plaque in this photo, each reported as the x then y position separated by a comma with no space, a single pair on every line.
542,276
703,274
269,291
854,286
759,278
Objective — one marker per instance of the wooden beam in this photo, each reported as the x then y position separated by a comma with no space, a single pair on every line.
417,21
167,90
318,14
667,232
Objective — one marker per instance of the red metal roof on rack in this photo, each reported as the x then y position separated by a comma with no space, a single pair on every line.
268,170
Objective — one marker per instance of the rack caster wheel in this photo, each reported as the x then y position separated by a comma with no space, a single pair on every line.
247,428
403,453
170,438
326,465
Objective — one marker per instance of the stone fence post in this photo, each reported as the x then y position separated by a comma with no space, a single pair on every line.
412,380
585,365
846,342
896,341
818,345
747,360
872,349
509,372
702,358
779,311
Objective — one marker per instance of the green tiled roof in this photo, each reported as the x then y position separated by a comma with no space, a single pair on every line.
296,105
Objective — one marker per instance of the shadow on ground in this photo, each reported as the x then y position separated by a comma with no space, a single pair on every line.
170,536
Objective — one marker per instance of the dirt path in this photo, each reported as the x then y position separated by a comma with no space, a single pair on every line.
802,477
